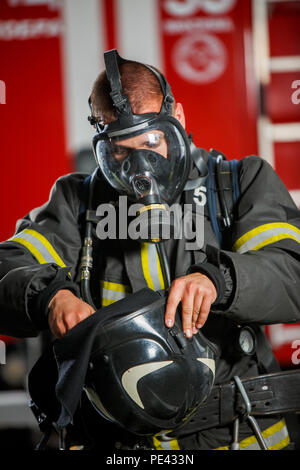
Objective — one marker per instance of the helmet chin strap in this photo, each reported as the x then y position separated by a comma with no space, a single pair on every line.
199,160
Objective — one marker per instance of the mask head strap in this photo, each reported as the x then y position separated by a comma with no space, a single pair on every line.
166,107
121,101
92,120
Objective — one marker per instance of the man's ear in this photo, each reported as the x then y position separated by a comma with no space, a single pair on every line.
179,114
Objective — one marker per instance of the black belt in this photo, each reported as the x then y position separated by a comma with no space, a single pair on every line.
268,394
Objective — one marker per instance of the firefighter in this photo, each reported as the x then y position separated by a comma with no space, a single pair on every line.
57,271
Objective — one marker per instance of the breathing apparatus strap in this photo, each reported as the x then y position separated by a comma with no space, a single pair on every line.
223,193
166,107
221,178
199,158
120,101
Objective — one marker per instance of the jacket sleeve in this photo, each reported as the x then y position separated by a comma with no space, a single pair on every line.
40,259
265,257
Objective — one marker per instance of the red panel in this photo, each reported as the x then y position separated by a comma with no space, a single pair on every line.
287,163
32,131
209,64
285,339
8,339
109,9
284,36
281,107
284,28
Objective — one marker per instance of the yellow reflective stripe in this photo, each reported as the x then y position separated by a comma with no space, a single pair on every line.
266,234
47,245
273,239
165,445
267,434
39,246
281,445
114,286
174,444
113,291
145,265
31,248
222,448
157,443
276,428
151,266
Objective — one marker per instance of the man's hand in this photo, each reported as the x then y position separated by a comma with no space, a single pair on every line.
65,311
196,293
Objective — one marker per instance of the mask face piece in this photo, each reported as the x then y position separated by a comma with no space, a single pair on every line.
145,157
149,163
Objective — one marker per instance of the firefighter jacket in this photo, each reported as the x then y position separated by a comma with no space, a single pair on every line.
259,264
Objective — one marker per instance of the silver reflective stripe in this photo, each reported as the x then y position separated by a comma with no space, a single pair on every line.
151,266
162,442
274,440
113,295
265,235
39,246
165,445
113,291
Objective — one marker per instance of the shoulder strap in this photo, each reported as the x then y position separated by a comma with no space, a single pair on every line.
85,212
222,192
84,200
211,199
234,166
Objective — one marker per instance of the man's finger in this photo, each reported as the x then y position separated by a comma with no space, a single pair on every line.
71,320
174,297
187,311
58,329
204,311
197,307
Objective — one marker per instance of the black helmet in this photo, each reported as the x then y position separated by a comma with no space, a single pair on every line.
147,377
136,372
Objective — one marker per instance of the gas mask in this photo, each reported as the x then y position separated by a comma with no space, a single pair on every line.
148,164
145,157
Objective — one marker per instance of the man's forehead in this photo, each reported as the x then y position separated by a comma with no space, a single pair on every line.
151,106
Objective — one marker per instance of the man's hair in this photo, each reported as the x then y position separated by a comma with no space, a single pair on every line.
138,83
